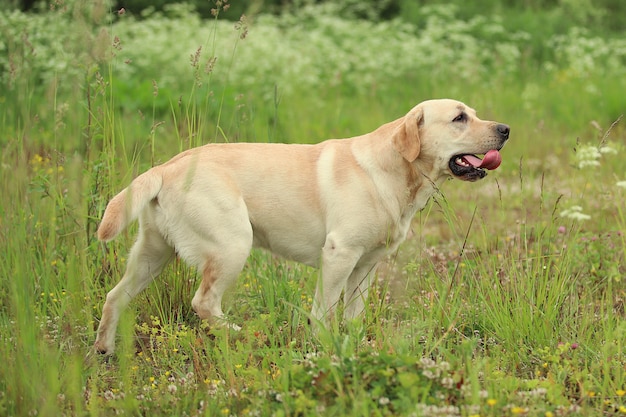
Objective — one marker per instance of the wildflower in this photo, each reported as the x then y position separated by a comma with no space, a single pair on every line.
447,382
621,184
428,374
37,160
588,156
606,149
427,362
491,402
620,392
519,410
622,409
575,213
549,414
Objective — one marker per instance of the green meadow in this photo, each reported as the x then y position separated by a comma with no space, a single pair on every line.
507,299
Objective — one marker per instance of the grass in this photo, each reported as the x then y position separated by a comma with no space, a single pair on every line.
505,301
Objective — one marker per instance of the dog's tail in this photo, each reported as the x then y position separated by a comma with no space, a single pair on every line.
126,206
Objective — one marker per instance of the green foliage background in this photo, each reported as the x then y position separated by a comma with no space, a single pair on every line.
557,14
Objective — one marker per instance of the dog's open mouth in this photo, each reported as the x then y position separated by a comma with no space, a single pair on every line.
469,167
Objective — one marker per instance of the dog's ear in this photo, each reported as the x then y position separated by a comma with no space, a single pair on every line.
406,138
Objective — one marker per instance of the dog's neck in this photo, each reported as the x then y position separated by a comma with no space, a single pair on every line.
421,179
422,184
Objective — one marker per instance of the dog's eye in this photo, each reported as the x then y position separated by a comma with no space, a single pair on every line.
460,118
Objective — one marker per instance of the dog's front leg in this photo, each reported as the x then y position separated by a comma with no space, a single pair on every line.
357,287
338,262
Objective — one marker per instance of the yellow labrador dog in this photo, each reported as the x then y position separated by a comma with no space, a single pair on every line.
342,205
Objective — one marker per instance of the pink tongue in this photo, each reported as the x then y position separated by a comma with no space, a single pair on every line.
491,160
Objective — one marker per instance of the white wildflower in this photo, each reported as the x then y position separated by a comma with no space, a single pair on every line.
575,213
427,362
588,163
429,374
606,149
621,184
447,382
588,155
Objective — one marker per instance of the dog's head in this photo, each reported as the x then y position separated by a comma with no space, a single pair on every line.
447,136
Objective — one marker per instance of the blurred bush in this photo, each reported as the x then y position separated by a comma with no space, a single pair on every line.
607,14
313,48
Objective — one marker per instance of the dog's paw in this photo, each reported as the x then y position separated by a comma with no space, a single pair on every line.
234,327
102,348
220,323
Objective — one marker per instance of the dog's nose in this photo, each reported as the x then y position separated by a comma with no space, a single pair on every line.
503,130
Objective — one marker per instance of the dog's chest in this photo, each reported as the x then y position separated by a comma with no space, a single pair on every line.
400,233
401,228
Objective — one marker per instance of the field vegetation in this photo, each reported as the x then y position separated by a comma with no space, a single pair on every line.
508,299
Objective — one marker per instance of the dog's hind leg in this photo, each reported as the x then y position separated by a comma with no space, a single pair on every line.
222,257
146,260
